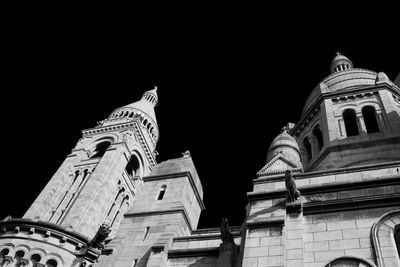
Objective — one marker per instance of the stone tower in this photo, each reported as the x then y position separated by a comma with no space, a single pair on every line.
83,204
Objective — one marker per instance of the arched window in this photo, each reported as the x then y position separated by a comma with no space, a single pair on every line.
385,238
369,115
101,149
162,192
350,122
307,147
4,252
349,262
35,258
4,259
51,263
318,135
19,255
132,167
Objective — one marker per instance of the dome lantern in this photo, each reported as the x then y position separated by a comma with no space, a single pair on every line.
340,63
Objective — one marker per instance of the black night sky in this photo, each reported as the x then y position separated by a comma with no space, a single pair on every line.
226,88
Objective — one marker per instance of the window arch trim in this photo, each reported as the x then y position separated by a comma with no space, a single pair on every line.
381,230
356,259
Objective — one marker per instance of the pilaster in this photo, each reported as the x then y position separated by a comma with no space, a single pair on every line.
361,124
91,206
227,255
294,253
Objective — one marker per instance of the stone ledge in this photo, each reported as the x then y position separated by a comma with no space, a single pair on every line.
355,203
326,188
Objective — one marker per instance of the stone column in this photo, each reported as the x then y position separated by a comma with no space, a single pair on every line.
157,258
342,129
361,124
381,121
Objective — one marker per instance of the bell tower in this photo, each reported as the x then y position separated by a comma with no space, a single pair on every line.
83,204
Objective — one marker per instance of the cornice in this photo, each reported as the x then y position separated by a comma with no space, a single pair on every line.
305,175
125,126
161,212
326,188
358,143
271,222
178,175
26,228
364,202
195,237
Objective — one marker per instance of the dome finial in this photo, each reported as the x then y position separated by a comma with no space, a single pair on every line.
338,53
284,129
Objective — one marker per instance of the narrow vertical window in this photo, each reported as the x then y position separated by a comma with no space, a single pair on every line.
369,115
132,167
146,233
307,147
397,238
162,192
318,135
350,122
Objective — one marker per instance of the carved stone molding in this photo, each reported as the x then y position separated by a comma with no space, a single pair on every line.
382,233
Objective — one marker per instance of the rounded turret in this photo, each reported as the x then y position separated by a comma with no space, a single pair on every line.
286,145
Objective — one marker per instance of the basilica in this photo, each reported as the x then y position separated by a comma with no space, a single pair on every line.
327,196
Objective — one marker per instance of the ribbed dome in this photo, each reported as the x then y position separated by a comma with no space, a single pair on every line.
285,144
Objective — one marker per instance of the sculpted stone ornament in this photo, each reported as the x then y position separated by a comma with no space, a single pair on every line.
292,193
129,138
100,237
226,235
186,154
7,218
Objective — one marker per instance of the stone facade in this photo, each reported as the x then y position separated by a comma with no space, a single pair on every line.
328,195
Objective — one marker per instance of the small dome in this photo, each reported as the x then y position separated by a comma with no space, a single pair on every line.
340,63
286,145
